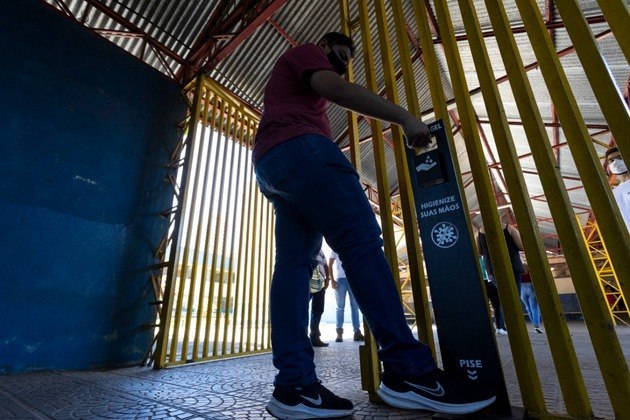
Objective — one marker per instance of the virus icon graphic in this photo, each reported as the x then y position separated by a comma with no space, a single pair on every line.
444,234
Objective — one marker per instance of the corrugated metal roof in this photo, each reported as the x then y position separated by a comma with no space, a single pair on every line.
176,25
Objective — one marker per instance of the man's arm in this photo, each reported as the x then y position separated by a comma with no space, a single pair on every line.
516,235
333,282
363,101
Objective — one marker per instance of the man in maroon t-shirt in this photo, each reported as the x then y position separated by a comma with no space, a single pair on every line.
316,193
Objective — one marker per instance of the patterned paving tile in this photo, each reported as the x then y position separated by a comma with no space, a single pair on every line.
11,408
240,388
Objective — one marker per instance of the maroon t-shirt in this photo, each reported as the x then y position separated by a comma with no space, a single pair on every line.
292,108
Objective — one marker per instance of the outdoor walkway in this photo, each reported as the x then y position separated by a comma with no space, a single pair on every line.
239,388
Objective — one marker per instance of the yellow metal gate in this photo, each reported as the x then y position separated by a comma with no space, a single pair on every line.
214,291
433,30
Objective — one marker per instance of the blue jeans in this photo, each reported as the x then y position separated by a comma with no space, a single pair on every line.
340,294
531,303
316,192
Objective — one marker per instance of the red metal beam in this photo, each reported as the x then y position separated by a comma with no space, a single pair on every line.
62,5
500,195
121,34
135,29
260,15
243,19
211,28
282,32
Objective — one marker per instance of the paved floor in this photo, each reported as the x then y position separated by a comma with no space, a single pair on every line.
239,388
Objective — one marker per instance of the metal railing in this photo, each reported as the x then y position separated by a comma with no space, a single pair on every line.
215,289
433,26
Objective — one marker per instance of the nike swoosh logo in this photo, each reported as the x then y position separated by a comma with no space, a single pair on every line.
314,401
437,390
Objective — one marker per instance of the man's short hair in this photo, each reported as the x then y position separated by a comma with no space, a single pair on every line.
610,151
336,38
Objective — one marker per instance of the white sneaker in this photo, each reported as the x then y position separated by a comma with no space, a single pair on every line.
501,331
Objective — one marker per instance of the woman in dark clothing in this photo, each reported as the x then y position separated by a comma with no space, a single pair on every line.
514,246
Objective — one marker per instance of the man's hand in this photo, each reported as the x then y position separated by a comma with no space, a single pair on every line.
417,133
333,284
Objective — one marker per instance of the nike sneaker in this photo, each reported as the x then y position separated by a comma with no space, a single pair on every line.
307,402
435,391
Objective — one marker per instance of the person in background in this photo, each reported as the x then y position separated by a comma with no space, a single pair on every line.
528,297
514,245
339,283
319,284
493,296
615,165
294,155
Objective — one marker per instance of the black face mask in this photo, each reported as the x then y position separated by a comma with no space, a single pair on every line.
339,66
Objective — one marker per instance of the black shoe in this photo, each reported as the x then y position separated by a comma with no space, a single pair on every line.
358,336
317,342
434,391
307,402
539,330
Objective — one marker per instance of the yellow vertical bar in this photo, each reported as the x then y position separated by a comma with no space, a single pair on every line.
260,267
608,96
565,360
412,239
353,125
248,257
239,140
252,272
231,138
431,67
216,181
595,183
224,138
162,346
379,157
198,236
268,287
259,257
204,265
240,275
189,220
618,18
601,330
267,278
370,366
519,340
198,205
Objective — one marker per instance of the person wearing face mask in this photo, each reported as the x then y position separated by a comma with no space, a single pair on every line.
615,165
316,194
